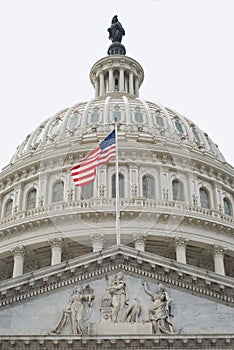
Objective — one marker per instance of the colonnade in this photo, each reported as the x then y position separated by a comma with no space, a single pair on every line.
116,79
56,245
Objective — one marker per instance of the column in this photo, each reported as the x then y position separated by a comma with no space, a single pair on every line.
136,87
102,85
139,241
131,90
56,250
180,245
97,241
111,80
121,79
218,253
18,254
96,87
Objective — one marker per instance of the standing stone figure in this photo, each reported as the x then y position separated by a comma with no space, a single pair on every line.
160,312
117,291
77,312
116,30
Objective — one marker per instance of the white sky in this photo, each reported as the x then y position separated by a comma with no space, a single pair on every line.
49,46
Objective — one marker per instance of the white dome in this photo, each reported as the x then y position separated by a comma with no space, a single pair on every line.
139,120
161,155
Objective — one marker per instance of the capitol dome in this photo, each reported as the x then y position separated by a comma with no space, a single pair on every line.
176,197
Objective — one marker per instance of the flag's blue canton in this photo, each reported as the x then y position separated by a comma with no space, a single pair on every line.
109,140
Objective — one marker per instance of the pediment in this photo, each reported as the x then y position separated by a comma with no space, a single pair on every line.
89,267
44,307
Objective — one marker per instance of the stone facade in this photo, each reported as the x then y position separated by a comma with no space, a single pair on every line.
64,282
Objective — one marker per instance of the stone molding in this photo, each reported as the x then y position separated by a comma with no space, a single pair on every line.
157,269
51,342
163,210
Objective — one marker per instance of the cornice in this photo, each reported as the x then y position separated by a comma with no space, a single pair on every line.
127,342
165,211
141,264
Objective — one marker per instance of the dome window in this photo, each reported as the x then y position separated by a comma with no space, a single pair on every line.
177,190
94,118
87,191
73,122
116,116
179,127
204,198
31,200
138,117
148,186
227,206
9,208
159,120
58,190
121,186
195,134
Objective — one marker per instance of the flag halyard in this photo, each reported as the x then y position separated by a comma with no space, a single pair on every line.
85,171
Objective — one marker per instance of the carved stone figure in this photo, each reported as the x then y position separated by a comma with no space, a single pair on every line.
133,311
106,307
160,311
116,30
78,310
117,291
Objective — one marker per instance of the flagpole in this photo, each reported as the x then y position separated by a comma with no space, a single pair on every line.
117,187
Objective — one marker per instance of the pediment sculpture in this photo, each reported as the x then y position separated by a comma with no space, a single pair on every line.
117,309
77,311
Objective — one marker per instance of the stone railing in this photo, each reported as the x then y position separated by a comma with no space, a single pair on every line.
107,205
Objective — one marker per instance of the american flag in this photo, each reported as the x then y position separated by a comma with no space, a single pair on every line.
85,171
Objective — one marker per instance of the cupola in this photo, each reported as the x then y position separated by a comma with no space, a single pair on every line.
116,72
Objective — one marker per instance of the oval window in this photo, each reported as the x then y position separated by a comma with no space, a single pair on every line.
94,118
159,120
138,117
179,127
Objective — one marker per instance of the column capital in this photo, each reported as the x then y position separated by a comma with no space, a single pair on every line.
18,251
56,242
140,237
97,237
218,250
97,241
180,242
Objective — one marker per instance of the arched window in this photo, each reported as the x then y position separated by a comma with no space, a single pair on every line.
204,198
87,191
121,186
148,186
177,190
31,200
9,208
227,206
58,190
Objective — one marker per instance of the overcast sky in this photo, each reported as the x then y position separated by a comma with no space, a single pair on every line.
49,46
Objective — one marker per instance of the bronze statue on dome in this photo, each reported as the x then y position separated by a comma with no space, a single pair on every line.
116,30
